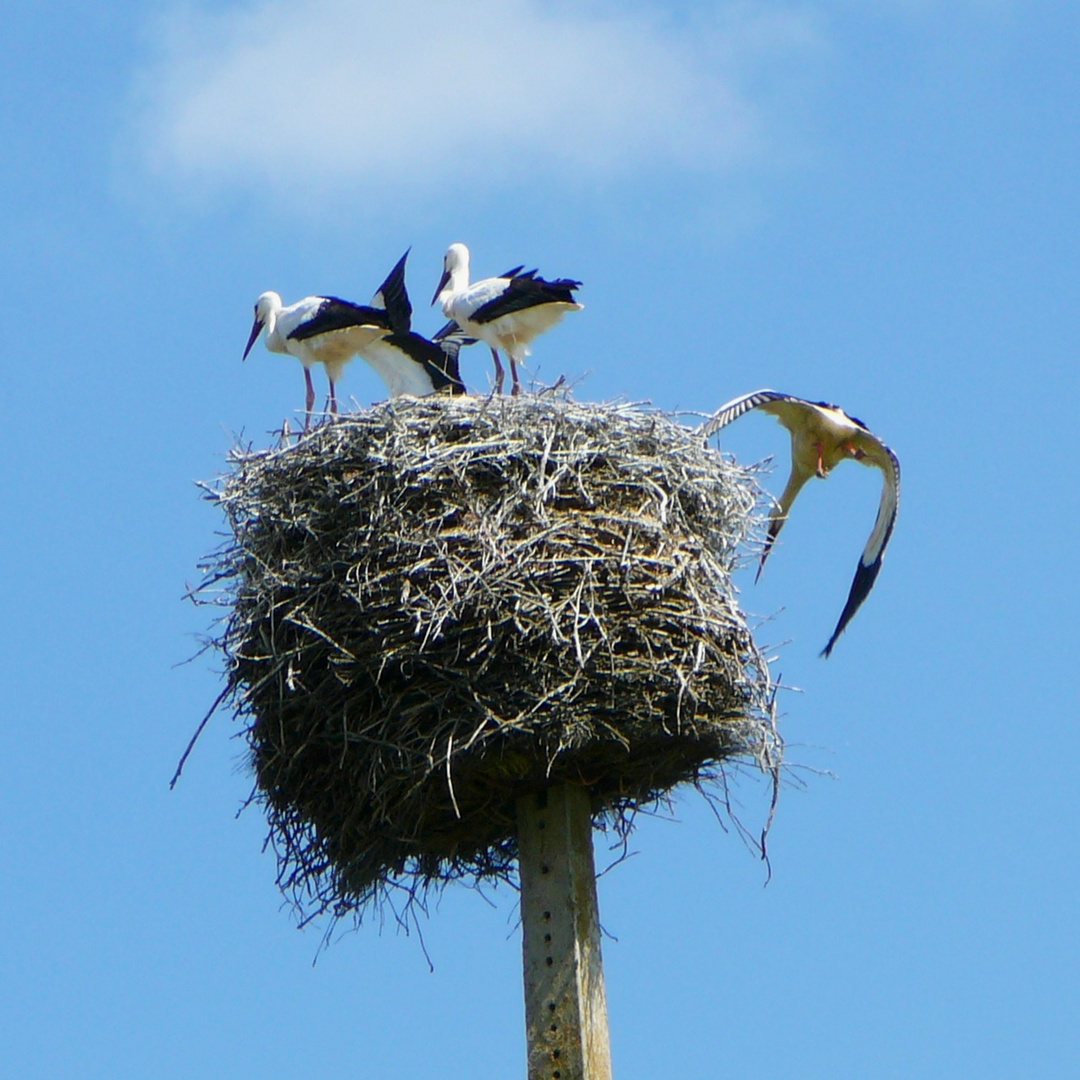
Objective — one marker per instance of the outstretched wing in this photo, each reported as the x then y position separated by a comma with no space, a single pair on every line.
393,297
878,454
737,407
773,402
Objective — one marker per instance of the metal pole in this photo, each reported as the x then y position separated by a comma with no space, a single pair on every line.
565,1009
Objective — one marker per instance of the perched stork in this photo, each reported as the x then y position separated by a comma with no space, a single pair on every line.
406,361
822,436
411,364
329,331
506,312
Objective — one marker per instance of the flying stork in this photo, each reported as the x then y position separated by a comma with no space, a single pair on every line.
823,435
506,312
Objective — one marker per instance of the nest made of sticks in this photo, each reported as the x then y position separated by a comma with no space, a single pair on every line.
437,606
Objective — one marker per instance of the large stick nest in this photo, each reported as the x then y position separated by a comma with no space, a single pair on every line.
437,606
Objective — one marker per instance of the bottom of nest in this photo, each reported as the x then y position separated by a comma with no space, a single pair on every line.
438,606
459,819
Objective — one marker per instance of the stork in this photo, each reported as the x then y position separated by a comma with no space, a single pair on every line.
823,435
407,362
411,364
506,312
329,331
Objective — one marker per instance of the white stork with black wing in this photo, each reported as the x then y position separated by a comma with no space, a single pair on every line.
506,312
822,436
407,362
329,331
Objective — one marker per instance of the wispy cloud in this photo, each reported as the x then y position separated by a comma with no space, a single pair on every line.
429,94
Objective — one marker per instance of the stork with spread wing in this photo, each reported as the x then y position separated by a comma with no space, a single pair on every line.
822,436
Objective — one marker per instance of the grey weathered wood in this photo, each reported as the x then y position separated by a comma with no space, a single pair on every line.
565,1009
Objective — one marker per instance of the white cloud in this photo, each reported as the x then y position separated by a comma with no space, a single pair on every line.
363,95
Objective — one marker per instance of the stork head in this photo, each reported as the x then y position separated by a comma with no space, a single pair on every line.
455,270
266,309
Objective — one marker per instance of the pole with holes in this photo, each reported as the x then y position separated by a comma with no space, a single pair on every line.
565,1010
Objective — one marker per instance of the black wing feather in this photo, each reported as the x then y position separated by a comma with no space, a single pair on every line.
865,576
394,297
525,291
440,361
335,314
866,572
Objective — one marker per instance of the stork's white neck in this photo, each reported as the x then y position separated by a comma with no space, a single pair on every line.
457,265
270,307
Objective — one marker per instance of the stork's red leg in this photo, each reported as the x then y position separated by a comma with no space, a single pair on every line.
309,401
498,370
515,385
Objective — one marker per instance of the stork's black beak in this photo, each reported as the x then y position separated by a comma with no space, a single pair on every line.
256,330
442,285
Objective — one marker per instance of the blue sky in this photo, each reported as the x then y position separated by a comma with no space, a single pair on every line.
872,203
